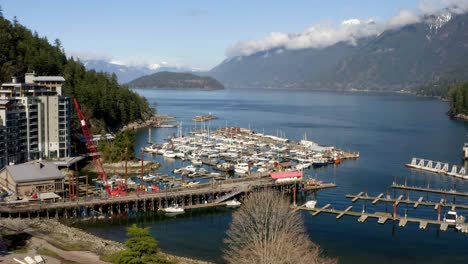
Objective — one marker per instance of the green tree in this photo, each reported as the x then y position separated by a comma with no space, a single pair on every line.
142,248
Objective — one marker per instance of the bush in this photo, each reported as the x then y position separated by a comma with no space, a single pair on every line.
142,248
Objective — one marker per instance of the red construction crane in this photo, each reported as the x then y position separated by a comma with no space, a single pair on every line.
92,148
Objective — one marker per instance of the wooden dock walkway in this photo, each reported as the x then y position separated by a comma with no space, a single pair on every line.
429,190
319,187
382,217
415,204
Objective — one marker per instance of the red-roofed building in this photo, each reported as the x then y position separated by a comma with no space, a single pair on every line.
286,176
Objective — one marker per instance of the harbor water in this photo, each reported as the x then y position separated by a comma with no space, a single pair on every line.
387,129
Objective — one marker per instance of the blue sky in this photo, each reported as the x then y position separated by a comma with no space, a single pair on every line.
190,33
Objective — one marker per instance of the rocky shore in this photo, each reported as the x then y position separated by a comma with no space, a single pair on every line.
157,120
133,167
64,236
460,117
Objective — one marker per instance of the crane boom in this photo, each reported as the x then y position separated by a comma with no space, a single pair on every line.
92,148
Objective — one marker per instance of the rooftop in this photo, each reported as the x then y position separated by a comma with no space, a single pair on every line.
285,174
49,78
34,171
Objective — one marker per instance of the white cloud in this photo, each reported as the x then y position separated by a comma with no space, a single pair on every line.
316,36
154,66
117,62
429,7
404,17
456,6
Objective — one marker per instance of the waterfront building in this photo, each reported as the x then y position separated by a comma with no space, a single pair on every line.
34,120
32,177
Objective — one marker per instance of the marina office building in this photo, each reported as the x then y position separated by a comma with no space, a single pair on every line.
34,120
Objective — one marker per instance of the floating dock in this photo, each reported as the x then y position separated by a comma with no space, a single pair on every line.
429,190
438,167
415,203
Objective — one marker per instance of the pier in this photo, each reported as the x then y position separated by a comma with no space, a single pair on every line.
200,196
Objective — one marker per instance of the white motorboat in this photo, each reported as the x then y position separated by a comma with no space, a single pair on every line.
149,177
451,217
178,171
190,168
241,168
152,149
310,204
174,209
233,203
180,155
169,154
196,162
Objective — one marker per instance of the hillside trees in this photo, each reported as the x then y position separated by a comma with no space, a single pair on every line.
106,104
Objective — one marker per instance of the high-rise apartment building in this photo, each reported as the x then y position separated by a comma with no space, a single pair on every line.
34,120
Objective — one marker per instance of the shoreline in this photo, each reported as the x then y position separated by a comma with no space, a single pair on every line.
67,243
155,120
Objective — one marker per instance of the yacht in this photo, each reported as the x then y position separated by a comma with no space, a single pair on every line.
190,168
241,168
169,154
152,149
196,162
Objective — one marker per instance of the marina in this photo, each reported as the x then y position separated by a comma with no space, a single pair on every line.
358,126
242,152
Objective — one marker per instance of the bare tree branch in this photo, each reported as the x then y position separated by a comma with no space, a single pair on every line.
264,230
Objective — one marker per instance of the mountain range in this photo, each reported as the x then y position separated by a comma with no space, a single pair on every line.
430,52
127,73
418,54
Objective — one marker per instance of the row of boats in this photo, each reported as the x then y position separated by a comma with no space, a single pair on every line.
243,152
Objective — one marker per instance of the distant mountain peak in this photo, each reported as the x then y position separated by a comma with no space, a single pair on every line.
437,21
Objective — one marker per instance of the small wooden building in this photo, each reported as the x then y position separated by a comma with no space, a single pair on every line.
27,178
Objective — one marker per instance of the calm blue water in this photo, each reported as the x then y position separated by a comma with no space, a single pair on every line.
387,130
